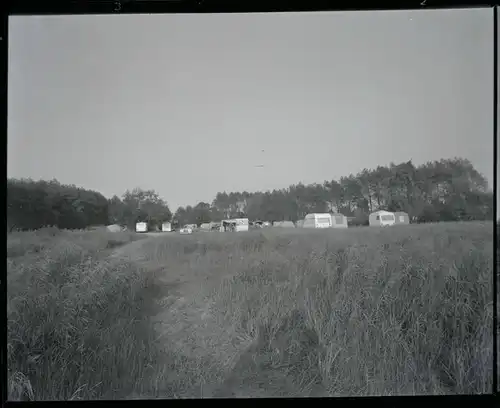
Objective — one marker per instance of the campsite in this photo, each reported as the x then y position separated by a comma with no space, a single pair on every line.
251,296
249,204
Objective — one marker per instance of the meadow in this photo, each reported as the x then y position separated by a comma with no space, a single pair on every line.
404,310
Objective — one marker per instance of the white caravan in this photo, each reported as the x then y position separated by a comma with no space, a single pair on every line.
166,227
317,221
381,218
141,227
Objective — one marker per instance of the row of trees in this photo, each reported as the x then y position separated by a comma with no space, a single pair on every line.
35,204
444,190
139,205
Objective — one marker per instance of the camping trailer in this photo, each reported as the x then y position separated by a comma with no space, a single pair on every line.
317,221
141,227
381,218
401,218
339,220
235,224
166,227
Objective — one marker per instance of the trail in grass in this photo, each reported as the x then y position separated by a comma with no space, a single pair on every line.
206,354
207,349
199,350
131,251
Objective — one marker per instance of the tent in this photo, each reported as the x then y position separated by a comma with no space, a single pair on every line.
402,217
114,228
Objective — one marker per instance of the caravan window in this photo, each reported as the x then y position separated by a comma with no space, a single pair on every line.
324,220
387,217
378,218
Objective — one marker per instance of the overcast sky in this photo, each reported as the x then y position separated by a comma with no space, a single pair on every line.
186,104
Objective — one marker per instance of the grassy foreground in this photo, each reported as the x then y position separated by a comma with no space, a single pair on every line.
364,311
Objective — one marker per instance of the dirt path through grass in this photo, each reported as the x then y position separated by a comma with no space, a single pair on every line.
207,353
205,347
199,349
131,250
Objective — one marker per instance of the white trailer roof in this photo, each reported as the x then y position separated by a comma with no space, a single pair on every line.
382,212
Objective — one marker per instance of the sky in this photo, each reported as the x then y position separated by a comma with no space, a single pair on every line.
190,105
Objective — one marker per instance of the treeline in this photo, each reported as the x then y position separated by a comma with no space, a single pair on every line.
445,190
139,206
35,204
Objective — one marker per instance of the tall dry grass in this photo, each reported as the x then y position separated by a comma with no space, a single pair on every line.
76,325
404,310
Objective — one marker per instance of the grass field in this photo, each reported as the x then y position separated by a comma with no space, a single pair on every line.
365,311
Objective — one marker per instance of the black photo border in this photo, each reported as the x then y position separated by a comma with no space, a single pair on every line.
72,7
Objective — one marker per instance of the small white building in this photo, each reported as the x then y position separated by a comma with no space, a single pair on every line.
317,220
166,227
141,227
381,218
